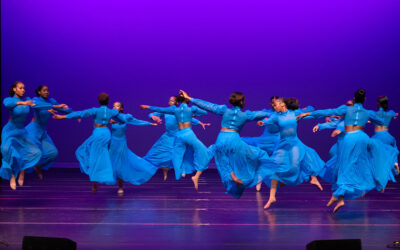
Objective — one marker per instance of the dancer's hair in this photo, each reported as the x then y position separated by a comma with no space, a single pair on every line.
359,96
273,98
383,102
180,99
103,98
11,90
291,103
237,99
38,89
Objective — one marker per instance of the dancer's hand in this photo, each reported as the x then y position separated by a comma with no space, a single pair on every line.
156,119
52,111
335,133
204,125
60,106
315,129
154,124
397,114
260,123
28,102
79,120
58,117
328,119
301,116
184,94
144,106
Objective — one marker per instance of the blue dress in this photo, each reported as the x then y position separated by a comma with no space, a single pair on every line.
38,134
232,154
186,141
299,161
359,159
269,139
93,155
160,153
386,138
127,165
18,151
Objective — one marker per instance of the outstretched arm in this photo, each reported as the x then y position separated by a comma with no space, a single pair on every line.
214,108
167,110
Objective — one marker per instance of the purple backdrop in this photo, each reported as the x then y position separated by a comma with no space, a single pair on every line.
142,52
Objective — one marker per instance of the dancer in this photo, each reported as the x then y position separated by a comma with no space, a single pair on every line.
37,128
299,161
127,166
160,153
185,140
18,151
239,164
93,155
382,134
270,137
354,163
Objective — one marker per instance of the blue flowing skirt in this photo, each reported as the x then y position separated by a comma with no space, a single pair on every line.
298,161
250,164
43,141
385,155
18,151
94,157
330,171
266,143
356,170
128,166
161,152
188,146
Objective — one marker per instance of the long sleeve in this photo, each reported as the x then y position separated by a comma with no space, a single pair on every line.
40,105
82,114
213,108
374,118
328,125
10,102
65,111
340,111
257,115
195,121
304,110
129,119
156,114
198,111
167,110
265,122
271,121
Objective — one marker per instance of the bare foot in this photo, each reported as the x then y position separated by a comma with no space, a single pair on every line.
39,172
331,201
183,175
269,203
195,182
21,178
235,179
94,187
13,185
338,205
382,191
396,165
165,172
315,182
120,191
363,195
258,187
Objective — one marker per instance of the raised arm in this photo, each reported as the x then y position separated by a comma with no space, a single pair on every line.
82,114
340,111
129,119
304,110
198,111
167,110
213,108
258,115
374,118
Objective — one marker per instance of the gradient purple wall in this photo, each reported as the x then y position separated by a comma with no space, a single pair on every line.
141,52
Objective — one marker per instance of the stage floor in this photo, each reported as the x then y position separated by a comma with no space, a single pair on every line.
173,215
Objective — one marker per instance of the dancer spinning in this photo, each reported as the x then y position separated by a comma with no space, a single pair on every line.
239,164
127,166
93,155
186,140
299,161
37,128
160,153
355,164
19,153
